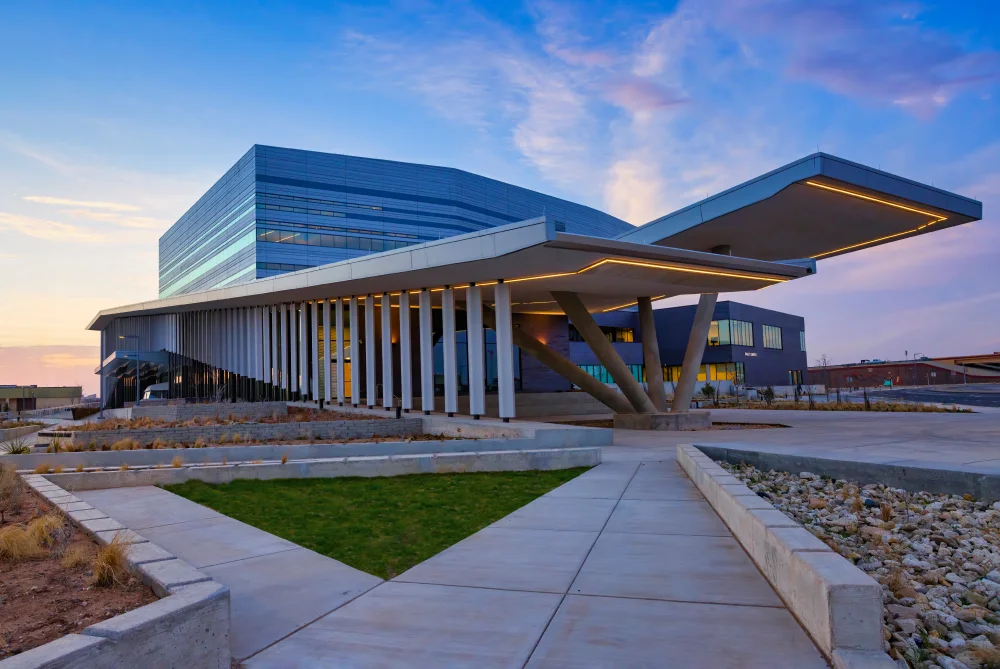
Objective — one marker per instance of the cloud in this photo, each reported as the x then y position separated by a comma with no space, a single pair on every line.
640,95
113,206
40,228
68,360
874,51
139,222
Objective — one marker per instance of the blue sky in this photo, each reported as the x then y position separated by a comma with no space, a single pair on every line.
115,117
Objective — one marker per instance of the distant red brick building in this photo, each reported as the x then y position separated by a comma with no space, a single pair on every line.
922,372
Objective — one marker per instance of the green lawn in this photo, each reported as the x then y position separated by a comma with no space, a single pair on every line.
382,525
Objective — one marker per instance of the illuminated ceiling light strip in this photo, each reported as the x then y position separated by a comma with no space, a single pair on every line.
675,268
936,218
862,196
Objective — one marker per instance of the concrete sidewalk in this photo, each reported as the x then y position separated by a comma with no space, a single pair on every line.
626,565
276,587
966,442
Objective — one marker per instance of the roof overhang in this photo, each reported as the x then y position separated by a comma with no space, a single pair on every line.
818,207
531,256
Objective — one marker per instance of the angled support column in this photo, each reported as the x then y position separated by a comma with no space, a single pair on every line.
355,353
339,307
474,335
695,350
505,350
651,355
405,354
426,353
314,331
385,312
604,350
327,379
565,368
370,351
450,354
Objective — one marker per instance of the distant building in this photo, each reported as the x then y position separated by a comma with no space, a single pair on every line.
14,398
920,372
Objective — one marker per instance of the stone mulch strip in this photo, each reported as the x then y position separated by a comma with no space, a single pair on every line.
936,556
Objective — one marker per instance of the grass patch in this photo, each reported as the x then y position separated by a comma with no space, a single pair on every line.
382,525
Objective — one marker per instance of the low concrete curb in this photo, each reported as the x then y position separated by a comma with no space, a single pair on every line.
365,466
188,627
838,605
672,421
945,481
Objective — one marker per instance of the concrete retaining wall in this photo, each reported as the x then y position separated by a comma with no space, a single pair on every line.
984,487
838,605
15,432
250,410
188,627
337,429
366,466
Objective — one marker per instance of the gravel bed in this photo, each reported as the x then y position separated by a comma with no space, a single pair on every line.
936,556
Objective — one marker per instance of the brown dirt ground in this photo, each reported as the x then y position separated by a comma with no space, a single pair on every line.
40,600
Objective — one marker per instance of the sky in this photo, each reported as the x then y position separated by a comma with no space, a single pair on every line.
116,117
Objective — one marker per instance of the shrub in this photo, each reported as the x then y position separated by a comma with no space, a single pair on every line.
56,446
58,469
223,439
237,438
46,531
111,563
159,443
768,396
17,545
126,444
284,459
708,390
199,443
16,446
93,445
75,557
11,490
176,462
43,468
124,467
79,468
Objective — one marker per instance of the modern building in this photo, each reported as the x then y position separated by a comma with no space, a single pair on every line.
486,309
15,398
282,210
921,371
747,345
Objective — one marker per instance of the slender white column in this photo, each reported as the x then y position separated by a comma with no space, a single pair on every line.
339,306
274,367
355,353
505,350
285,384
327,338
293,354
426,352
314,331
265,336
450,355
405,360
303,352
474,333
370,350
385,311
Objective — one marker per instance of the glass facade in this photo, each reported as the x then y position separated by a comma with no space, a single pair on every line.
730,333
614,335
280,208
802,341
795,377
722,371
602,374
772,336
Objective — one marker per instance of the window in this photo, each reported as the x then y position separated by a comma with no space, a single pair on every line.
331,241
728,371
602,374
772,336
614,335
802,341
729,332
795,377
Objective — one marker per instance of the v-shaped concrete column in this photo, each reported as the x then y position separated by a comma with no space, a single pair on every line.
572,306
651,355
695,350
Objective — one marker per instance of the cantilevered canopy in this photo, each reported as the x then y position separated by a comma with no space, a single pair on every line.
531,256
817,207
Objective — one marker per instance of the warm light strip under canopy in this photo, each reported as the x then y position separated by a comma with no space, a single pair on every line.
935,218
